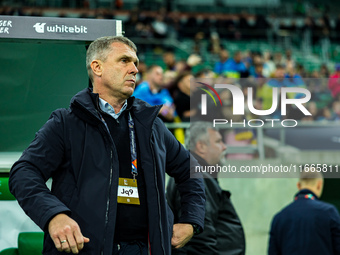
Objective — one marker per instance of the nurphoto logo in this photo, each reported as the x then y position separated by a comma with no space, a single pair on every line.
257,104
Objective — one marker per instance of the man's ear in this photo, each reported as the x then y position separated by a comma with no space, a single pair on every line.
320,184
96,67
299,185
200,147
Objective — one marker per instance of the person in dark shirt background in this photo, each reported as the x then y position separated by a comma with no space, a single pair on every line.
307,226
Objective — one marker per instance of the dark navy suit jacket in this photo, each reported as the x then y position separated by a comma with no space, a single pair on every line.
305,227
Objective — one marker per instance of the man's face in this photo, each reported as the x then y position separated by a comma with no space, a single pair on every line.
280,73
119,71
238,57
215,148
156,76
224,55
185,82
169,58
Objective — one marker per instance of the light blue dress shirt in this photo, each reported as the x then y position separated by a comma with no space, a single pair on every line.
106,107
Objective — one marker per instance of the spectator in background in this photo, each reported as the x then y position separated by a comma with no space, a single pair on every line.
169,60
307,226
313,109
289,58
269,65
215,46
324,72
258,70
336,110
252,62
300,69
265,92
223,232
334,82
182,99
198,41
325,115
293,78
279,59
142,68
151,91
237,66
181,66
160,28
224,64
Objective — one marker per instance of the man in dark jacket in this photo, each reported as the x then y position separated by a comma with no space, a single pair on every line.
307,226
223,233
107,156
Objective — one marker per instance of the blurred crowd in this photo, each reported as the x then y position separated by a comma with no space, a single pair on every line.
159,19
256,70
170,81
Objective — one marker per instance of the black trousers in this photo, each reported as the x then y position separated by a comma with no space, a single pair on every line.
130,248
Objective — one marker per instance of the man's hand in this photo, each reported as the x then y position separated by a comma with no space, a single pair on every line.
66,234
181,234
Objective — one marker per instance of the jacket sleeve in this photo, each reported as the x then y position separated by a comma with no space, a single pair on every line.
204,243
179,164
28,176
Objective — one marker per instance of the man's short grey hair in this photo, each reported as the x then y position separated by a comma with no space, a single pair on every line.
101,47
198,132
310,173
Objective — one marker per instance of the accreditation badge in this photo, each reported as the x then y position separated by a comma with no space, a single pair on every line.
128,191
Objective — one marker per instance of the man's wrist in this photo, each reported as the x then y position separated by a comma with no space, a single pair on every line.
197,228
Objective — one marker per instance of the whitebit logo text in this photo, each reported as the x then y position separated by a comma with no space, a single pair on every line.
40,28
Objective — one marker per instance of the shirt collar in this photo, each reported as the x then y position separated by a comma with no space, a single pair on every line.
107,108
306,192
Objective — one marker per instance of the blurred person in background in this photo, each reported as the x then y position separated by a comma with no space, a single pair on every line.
334,82
265,93
237,68
223,65
214,46
307,226
160,28
324,72
336,110
269,65
279,59
289,58
223,232
182,99
152,91
169,60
